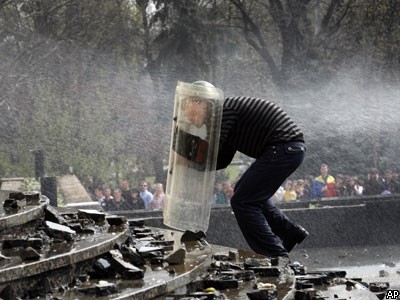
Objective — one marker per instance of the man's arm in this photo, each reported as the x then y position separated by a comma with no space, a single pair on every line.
225,157
190,146
226,149
228,125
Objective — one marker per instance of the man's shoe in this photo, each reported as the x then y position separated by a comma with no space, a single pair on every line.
294,237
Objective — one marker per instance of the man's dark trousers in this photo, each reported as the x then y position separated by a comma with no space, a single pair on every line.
263,225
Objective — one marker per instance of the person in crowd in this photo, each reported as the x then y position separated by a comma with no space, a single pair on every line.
278,195
289,193
350,184
392,185
229,194
396,182
374,184
98,195
299,189
136,201
226,184
119,202
219,194
260,129
341,188
145,194
126,191
359,185
158,197
324,185
308,187
108,199
228,189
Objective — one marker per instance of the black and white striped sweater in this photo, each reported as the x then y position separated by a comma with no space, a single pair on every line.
249,125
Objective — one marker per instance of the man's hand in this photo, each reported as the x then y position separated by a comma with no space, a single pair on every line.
191,147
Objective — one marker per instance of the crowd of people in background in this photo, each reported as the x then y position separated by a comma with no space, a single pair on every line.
322,186
126,198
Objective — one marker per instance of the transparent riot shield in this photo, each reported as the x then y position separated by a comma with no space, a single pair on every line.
193,156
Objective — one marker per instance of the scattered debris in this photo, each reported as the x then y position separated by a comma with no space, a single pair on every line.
144,248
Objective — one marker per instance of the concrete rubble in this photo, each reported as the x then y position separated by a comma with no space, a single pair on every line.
86,254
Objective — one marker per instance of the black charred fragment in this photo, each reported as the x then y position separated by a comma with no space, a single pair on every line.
141,235
32,198
150,254
29,253
177,257
98,290
136,222
226,266
106,289
10,243
148,251
131,255
330,274
166,245
102,269
266,271
11,204
76,226
262,295
97,216
222,257
306,294
245,275
114,220
16,195
51,214
125,269
221,284
301,285
316,279
157,260
378,286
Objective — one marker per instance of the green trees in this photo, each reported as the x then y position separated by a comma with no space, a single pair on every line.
92,82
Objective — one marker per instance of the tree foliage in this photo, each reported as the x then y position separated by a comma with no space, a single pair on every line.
92,82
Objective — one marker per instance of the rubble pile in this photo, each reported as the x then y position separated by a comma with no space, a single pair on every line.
77,253
88,254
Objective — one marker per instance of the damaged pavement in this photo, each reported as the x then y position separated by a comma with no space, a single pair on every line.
68,253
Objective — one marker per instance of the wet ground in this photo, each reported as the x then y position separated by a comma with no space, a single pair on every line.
371,263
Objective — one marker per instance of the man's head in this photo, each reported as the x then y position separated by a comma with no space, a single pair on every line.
125,185
218,186
373,174
117,195
143,186
196,110
107,192
134,193
324,170
98,192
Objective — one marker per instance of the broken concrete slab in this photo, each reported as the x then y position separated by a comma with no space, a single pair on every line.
59,231
177,257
